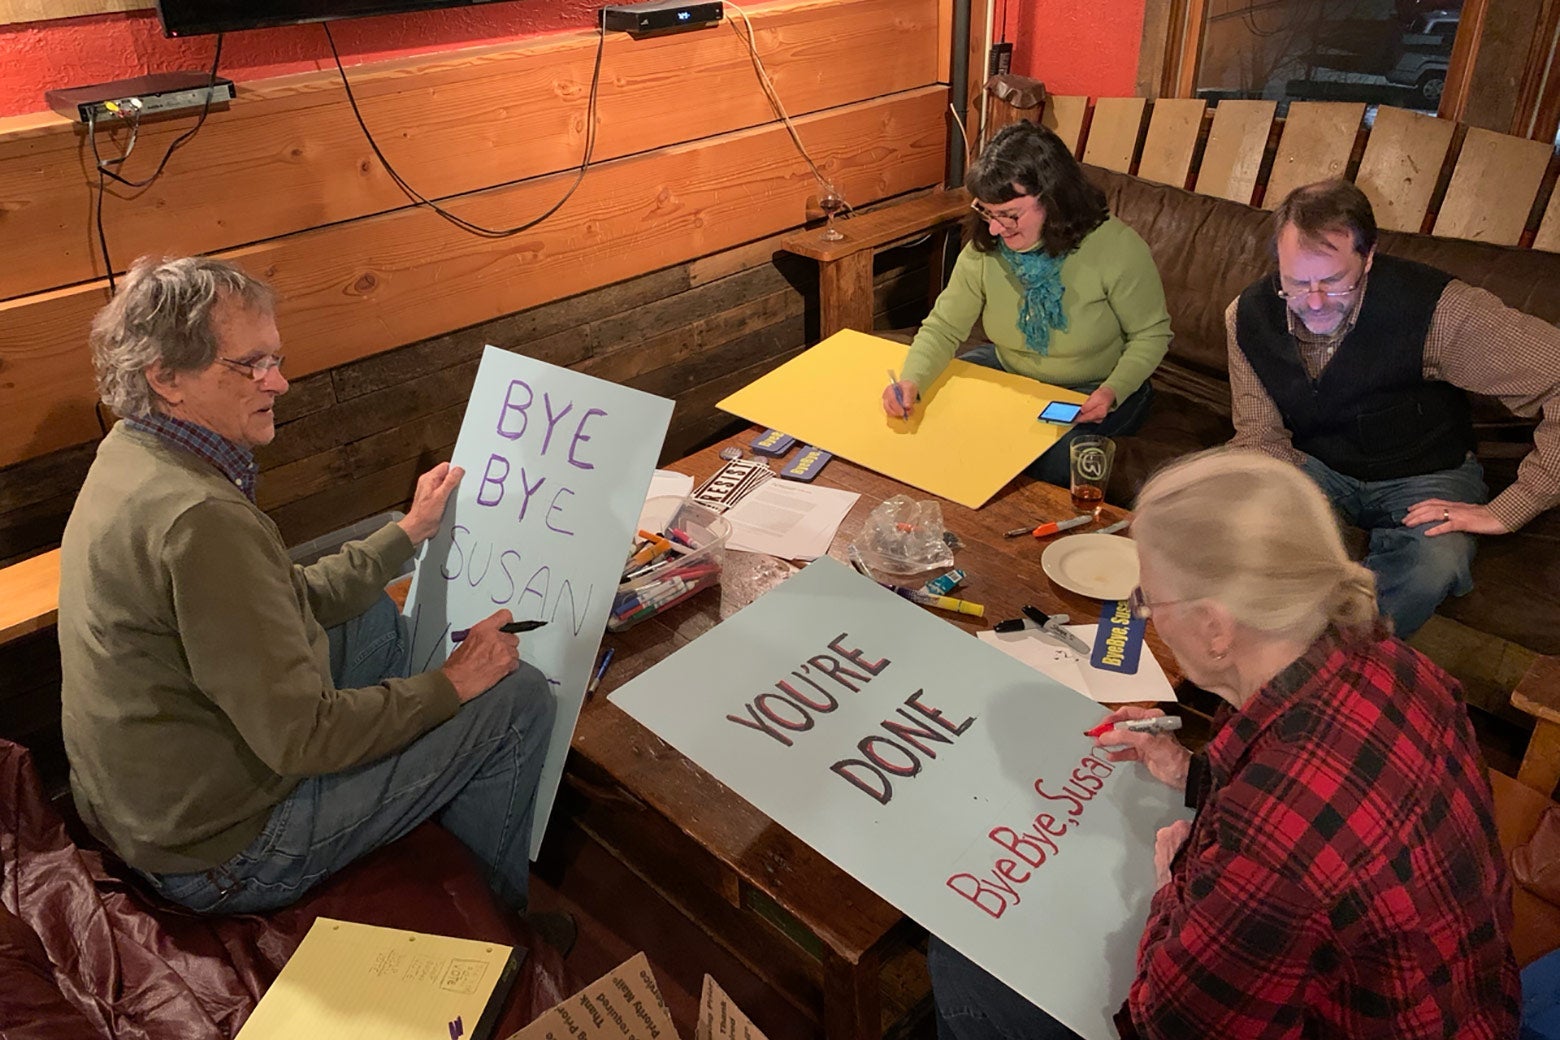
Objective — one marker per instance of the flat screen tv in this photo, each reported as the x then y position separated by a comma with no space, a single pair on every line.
194,17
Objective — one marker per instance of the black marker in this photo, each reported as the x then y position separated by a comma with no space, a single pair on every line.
513,627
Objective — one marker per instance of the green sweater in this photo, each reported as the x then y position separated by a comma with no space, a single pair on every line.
1117,327
196,678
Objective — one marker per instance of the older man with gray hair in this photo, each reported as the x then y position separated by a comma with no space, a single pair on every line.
240,728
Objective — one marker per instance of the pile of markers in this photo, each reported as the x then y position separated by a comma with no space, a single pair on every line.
663,568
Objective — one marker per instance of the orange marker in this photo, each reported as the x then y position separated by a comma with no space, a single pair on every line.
1058,526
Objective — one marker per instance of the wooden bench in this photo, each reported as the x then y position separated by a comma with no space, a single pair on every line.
1421,173
1520,803
845,266
29,596
1538,694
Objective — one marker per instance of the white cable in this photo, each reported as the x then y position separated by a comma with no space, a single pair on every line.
964,135
773,95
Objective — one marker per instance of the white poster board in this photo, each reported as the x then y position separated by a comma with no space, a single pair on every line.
947,777
556,464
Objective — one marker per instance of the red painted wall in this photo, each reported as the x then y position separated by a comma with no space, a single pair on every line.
37,56
1074,46
1077,46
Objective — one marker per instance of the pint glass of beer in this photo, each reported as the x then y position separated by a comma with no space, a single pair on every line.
1090,457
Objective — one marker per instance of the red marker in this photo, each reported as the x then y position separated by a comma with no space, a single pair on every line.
1152,724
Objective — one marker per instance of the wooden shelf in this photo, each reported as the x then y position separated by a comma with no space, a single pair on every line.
29,595
880,227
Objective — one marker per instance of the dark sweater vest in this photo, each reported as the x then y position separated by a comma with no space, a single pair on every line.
1372,415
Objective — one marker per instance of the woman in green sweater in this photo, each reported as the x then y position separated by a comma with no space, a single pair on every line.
1066,293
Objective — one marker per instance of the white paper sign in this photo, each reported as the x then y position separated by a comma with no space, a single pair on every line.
950,779
556,464
1049,657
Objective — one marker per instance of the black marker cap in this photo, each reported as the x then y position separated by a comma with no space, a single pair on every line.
1036,615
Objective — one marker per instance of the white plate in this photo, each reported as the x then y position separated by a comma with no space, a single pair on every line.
1101,566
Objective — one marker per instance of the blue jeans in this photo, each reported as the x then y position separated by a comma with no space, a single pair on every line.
476,774
1541,998
1052,467
973,1004
1414,573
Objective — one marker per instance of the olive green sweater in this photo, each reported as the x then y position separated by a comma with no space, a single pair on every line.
1117,327
196,678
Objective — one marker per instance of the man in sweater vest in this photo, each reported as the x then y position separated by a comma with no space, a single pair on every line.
240,728
1357,367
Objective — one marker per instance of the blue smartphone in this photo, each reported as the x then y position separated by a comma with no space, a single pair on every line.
1060,412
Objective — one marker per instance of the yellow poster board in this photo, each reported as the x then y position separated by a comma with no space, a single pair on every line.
350,981
974,429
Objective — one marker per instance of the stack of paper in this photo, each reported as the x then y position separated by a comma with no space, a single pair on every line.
791,521
348,981
626,1004
1049,657
666,482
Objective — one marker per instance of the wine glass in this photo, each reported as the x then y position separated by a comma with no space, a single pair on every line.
830,201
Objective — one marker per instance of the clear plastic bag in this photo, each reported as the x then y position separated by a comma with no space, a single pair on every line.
903,536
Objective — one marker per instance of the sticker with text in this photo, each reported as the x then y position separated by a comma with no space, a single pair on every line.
1119,639
806,464
773,443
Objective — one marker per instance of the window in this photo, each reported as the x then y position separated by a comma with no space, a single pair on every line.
1488,63
1391,52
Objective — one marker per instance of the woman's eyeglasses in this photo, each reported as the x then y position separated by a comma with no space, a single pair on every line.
1007,220
1139,607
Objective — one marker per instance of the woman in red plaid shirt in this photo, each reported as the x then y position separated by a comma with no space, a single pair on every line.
1342,876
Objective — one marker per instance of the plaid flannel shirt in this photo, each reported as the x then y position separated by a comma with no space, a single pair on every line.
233,462
1343,877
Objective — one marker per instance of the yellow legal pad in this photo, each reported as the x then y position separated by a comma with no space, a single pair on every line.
350,980
974,429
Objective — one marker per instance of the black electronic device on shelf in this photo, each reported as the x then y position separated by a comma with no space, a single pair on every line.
661,16
195,17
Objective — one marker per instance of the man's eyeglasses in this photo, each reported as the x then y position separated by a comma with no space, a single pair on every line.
1301,294
1007,220
1142,609
257,369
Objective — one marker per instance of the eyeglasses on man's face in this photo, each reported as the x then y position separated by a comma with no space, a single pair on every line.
1009,221
257,368
1292,291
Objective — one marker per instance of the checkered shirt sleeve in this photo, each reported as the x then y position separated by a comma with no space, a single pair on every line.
1258,422
1478,343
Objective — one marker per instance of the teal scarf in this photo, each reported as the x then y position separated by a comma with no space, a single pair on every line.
1040,274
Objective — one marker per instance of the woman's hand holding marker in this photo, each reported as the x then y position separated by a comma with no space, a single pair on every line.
899,397
1164,756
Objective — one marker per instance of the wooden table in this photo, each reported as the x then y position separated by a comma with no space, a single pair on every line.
815,933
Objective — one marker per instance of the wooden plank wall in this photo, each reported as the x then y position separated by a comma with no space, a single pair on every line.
1422,174
656,272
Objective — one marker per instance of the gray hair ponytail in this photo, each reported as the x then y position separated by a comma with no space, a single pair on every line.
1257,535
